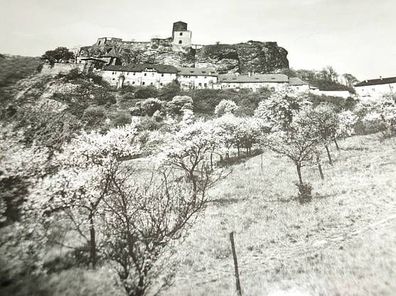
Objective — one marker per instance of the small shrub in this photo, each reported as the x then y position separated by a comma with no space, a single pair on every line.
149,124
151,105
178,103
73,75
169,91
94,115
146,92
122,118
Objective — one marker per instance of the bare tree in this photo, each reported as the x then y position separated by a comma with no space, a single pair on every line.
143,220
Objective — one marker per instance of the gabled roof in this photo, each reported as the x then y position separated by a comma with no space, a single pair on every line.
297,81
275,78
378,81
142,68
197,71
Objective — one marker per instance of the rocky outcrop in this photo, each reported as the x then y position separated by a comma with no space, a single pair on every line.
252,56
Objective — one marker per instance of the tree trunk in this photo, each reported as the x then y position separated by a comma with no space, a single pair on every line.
328,155
92,242
319,167
298,166
239,152
336,144
211,161
140,288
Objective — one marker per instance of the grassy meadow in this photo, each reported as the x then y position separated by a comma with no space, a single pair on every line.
342,243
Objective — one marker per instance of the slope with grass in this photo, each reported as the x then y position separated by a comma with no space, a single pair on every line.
342,243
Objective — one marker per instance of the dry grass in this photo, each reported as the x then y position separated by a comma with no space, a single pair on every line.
342,243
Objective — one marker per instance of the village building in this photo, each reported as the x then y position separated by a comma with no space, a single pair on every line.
299,85
253,82
197,78
139,75
375,88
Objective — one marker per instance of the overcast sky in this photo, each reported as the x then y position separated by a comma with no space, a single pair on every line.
354,36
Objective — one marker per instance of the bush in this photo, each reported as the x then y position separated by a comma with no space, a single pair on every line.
94,116
146,92
98,80
169,91
121,118
150,106
149,124
225,107
102,97
205,100
73,74
178,104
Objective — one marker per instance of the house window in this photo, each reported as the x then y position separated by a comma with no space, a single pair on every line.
162,75
133,82
200,84
205,84
143,83
145,74
180,42
151,83
161,84
181,34
134,73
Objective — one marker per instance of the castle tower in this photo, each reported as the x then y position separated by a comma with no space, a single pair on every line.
181,37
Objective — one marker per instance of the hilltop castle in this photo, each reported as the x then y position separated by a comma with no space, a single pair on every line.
180,39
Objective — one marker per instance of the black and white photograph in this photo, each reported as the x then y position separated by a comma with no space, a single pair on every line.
197,148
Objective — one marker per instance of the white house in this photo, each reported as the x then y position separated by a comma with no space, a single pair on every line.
253,81
139,75
374,88
299,85
192,78
332,93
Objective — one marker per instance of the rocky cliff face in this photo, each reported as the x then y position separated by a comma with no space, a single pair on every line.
252,56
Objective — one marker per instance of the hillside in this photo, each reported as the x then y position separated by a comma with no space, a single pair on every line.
340,244
13,69
251,56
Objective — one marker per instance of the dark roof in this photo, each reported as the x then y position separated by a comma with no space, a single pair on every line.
297,81
92,59
197,71
142,68
378,81
278,78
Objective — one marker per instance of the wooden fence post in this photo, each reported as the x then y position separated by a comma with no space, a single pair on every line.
238,283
